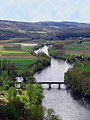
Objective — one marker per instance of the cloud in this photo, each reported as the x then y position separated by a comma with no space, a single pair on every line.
42,10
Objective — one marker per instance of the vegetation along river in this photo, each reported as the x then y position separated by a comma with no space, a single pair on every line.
66,105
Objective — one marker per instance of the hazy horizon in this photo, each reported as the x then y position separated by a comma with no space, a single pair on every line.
40,21
45,10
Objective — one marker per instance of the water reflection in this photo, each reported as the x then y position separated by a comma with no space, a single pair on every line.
84,102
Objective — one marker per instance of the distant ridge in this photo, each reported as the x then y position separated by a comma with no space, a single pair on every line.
15,25
33,30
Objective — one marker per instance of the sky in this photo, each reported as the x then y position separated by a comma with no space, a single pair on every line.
45,10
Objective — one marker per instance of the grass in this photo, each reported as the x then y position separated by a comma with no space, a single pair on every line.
22,61
9,52
85,68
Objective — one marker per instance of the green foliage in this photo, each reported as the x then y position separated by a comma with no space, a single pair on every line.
8,113
27,105
5,85
11,95
15,66
22,85
85,68
38,46
79,79
50,115
34,113
87,93
35,94
57,46
43,59
7,81
57,53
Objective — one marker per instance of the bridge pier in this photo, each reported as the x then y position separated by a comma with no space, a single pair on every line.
59,87
49,86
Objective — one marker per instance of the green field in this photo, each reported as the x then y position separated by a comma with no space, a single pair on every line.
77,46
85,68
21,64
74,54
8,52
22,61
1,47
27,48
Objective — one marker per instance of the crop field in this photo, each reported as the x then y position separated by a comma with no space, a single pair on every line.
18,54
1,47
78,48
12,50
9,52
27,48
85,53
85,68
22,61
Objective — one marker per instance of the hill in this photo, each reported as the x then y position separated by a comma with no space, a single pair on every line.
43,30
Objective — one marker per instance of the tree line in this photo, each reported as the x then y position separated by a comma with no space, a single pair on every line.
53,35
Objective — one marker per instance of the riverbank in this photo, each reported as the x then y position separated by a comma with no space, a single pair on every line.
78,77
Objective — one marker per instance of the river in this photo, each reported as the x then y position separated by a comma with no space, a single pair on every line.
62,101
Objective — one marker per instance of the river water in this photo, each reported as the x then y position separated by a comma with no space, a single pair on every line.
62,101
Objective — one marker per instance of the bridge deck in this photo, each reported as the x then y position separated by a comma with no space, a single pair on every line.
50,82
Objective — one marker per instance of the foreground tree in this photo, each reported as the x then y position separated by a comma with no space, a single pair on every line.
35,94
11,95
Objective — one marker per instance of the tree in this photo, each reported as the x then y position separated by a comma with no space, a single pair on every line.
35,93
50,115
11,68
11,95
22,85
5,85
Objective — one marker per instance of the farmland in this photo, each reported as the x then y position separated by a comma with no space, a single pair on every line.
21,64
15,51
77,48
69,50
8,52
85,68
17,54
